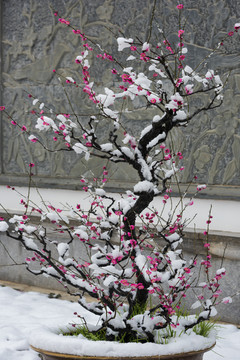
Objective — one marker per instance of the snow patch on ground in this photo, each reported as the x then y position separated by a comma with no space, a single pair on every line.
22,313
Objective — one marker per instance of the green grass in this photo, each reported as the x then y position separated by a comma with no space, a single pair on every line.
100,335
204,328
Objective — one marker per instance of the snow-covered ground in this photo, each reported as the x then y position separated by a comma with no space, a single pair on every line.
21,313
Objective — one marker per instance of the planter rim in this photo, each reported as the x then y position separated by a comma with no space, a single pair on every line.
153,357
50,341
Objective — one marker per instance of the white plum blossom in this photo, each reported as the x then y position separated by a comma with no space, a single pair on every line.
124,43
79,148
176,102
3,226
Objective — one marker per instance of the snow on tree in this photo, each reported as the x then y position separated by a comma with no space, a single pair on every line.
132,252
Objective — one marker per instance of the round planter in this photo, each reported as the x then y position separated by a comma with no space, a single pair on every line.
52,345
192,355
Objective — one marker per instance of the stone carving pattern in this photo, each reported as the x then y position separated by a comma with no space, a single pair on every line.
33,44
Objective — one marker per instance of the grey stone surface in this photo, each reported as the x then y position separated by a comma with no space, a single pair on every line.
225,251
13,267
33,43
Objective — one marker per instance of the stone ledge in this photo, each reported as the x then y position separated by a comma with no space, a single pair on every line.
223,244
218,192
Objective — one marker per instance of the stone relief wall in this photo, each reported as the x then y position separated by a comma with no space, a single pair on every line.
33,44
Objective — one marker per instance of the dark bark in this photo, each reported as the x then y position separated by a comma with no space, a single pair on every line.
160,127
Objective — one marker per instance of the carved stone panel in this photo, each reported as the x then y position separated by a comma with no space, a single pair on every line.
33,44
